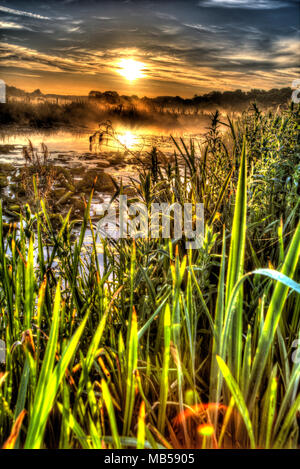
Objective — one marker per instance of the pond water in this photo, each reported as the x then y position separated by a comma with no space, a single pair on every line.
77,140
71,149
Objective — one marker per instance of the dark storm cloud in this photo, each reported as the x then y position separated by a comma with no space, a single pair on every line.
246,4
183,42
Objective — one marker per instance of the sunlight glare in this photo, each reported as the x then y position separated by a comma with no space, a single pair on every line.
131,69
128,139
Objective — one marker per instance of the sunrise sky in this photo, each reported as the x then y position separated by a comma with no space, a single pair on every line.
148,47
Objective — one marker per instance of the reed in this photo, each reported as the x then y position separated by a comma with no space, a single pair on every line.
163,346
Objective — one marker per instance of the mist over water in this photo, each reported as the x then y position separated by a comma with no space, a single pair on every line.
77,140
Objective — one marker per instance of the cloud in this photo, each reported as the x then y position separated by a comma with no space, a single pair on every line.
287,46
286,52
10,25
165,16
22,74
63,18
12,11
245,4
205,28
24,57
73,29
169,29
94,62
282,52
104,18
186,49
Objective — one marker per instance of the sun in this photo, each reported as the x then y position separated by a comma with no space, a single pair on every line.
131,69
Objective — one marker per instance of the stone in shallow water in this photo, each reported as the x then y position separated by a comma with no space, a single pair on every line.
4,149
6,167
3,181
103,183
76,170
63,157
116,159
103,164
88,156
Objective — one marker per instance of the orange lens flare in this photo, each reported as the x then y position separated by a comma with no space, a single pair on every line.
202,422
206,430
198,410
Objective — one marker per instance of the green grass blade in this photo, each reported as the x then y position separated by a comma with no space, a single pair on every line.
236,265
111,414
164,380
238,397
130,379
272,318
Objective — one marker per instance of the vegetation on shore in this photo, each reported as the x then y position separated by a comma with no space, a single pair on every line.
159,346
164,112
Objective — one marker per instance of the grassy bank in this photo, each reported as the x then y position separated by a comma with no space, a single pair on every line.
162,346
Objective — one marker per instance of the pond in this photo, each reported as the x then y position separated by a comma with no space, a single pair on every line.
76,163
70,149
76,141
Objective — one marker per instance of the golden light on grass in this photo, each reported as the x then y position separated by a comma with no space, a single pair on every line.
131,69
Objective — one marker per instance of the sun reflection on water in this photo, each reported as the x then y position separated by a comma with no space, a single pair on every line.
128,139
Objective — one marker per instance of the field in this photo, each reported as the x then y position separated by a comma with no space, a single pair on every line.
161,346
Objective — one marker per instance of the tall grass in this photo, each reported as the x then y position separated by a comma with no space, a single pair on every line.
163,346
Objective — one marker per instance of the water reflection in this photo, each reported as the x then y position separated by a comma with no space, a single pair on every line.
77,140
128,139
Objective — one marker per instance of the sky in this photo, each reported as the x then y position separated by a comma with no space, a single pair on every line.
179,47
